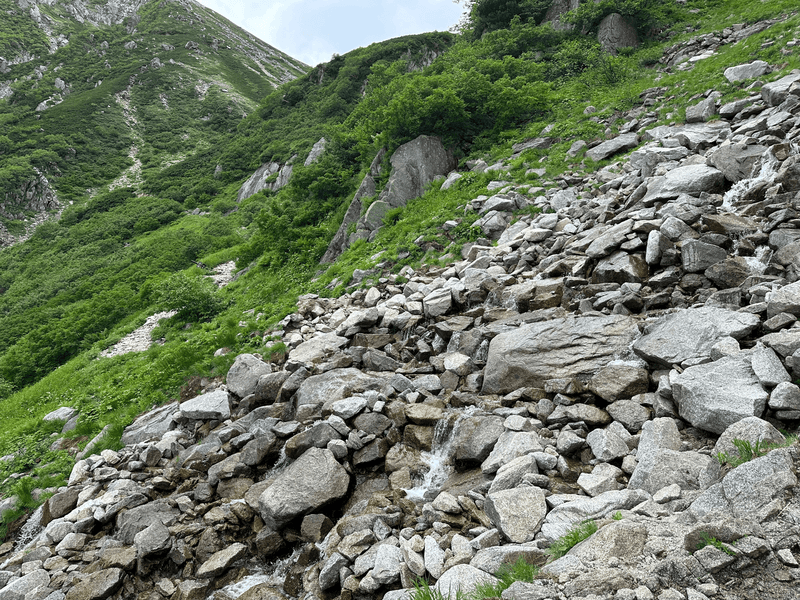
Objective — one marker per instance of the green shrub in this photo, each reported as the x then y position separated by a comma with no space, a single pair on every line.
193,297
747,451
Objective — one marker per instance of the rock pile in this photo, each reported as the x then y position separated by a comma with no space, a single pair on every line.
591,364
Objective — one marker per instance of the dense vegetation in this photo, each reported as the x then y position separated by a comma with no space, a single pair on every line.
81,283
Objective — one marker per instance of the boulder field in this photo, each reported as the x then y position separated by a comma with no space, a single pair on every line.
586,362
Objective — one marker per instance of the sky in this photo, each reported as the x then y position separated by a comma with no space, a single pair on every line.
313,30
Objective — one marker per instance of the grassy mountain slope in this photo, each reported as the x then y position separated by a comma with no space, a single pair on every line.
79,284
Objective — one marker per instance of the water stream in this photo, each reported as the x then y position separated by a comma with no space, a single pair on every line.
272,573
766,172
440,459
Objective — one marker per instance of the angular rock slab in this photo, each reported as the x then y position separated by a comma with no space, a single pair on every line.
97,586
751,429
517,513
312,481
716,395
690,470
334,385
151,425
620,539
565,516
625,141
692,180
461,579
753,490
757,68
243,375
317,348
556,349
690,333
213,405
221,561
658,434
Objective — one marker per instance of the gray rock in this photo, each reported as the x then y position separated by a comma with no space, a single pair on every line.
257,180
658,434
97,586
316,436
387,564
221,561
151,425
786,396
317,349
334,385
560,348
134,520
492,558
538,590
692,180
510,474
604,241
608,148
461,579
213,405
606,445
618,380
65,413
17,589
438,302
689,334
329,572
621,267
630,414
414,166
736,161
312,481
591,415
615,32
698,256
511,445
434,557
621,539
713,396
565,516
517,513
317,150
153,539
753,490
785,300
757,68
690,470
751,429
775,93
475,437
243,375
702,111
768,367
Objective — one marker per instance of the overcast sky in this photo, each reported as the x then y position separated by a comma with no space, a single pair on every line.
313,30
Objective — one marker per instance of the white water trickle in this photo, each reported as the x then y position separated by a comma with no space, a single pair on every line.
29,531
768,169
272,573
439,459
760,261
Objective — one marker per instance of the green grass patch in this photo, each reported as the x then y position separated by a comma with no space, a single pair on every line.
574,536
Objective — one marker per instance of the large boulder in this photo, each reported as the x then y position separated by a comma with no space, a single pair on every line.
775,92
753,430
565,516
757,68
334,385
689,334
269,176
556,349
414,166
657,435
474,438
517,513
736,161
139,518
753,490
615,32
461,580
691,179
97,586
317,348
716,395
626,141
152,425
213,405
312,481
243,375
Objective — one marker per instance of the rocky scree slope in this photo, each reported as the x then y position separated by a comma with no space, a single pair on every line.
589,365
